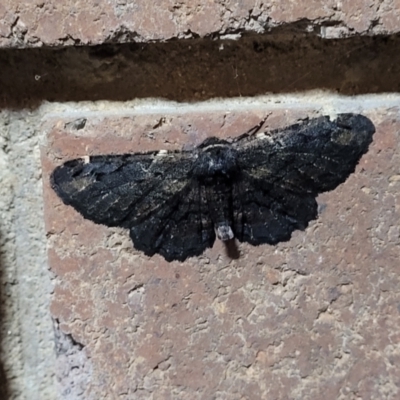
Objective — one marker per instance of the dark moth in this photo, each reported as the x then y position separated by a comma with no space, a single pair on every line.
258,188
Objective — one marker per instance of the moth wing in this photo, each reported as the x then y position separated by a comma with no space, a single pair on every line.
121,190
282,173
267,213
310,157
179,230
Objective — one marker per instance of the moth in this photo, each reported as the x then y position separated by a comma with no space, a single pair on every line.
257,188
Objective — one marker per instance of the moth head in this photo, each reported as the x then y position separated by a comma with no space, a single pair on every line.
215,157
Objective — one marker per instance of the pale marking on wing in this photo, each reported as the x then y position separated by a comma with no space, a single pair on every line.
211,146
162,153
265,136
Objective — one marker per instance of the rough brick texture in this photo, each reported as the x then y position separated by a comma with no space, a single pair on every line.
76,22
315,317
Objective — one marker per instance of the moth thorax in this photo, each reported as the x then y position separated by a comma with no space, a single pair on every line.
224,231
215,159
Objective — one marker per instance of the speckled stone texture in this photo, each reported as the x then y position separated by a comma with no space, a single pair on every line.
315,317
75,22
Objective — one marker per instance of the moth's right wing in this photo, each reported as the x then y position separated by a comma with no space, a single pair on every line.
180,229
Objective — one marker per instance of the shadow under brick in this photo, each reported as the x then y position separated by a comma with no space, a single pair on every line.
201,69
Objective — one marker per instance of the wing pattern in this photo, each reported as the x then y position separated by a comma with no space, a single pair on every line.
258,188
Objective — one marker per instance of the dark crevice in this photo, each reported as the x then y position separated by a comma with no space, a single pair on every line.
64,342
5,392
73,367
77,124
201,69
135,288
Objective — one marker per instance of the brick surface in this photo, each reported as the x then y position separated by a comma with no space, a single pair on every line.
315,317
76,22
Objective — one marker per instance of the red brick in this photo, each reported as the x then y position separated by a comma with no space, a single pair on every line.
68,22
317,316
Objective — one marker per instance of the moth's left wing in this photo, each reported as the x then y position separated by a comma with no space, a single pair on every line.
122,190
282,173
266,213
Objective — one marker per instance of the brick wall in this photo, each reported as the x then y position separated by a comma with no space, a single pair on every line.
85,315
